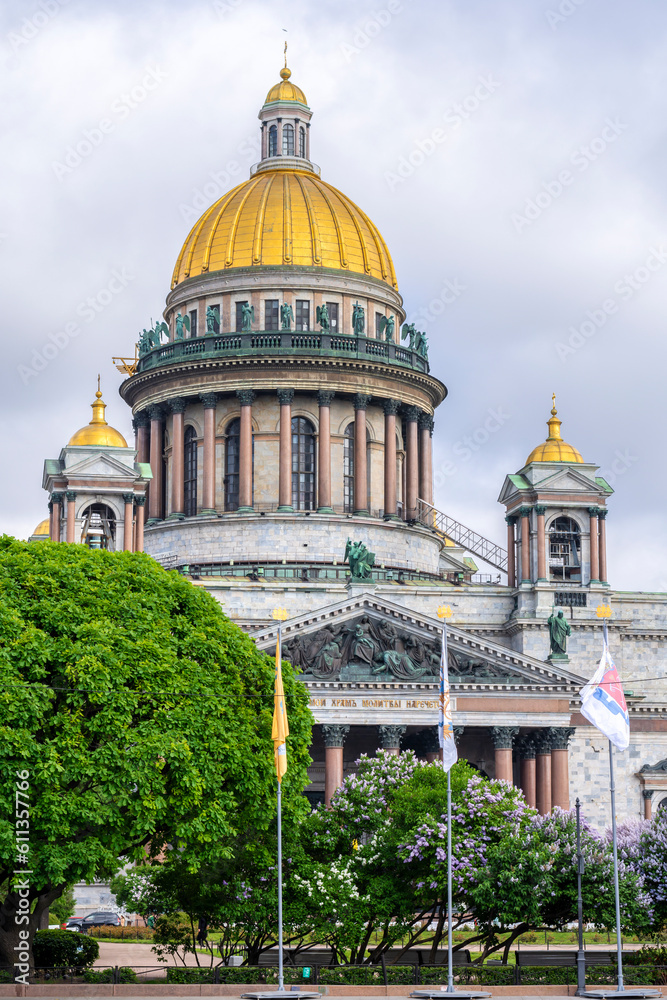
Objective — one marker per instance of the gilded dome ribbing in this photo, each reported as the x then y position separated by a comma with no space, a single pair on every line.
554,449
98,432
42,528
285,217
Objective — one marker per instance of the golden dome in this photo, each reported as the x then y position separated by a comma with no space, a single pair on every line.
98,432
286,91
285,217
554,448
42,528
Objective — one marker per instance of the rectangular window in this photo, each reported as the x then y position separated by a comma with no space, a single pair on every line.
193,322
271,314
239,315
333,315
378,324
302,314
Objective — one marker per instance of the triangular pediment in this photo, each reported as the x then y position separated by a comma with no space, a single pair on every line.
567,480
102,465
367,639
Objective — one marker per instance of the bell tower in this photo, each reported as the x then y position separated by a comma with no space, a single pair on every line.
556,540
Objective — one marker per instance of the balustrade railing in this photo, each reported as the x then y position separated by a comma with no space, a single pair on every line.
280,342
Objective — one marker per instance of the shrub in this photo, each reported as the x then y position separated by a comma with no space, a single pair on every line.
123,933
64,949
125,975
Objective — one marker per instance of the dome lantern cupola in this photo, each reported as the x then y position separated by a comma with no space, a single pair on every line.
554,449
285,133
98,431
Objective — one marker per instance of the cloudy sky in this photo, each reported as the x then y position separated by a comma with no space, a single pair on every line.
512,153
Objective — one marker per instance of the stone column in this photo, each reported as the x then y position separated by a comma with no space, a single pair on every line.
602,544
128,500
334,739
429,744
503,738
56,500
647,795
139,527
527,781
209,399
411,462
50,506
390,738
285,397
425,457
71,522
511,551
155,512
524,513
543,771
177,467
142,423
360,469
541,546
245,397
595,562
390,411
560,776
324,398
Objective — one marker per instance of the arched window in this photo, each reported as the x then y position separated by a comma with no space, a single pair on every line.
288,140
348,469
565,550
273,140
99,526
190,473
232,465
303,464
302,142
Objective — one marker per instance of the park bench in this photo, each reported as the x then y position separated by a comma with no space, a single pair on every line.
563,958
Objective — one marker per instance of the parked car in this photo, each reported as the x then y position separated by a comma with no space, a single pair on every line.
101,918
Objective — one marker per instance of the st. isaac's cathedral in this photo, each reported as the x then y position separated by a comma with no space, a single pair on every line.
284,414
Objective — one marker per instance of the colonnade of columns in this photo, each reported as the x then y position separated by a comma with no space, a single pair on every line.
520,540
543,771
133,520
418,447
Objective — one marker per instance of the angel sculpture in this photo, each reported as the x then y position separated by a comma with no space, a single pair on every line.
360,560
182,326
322,316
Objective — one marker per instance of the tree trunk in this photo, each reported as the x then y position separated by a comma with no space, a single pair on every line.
15,920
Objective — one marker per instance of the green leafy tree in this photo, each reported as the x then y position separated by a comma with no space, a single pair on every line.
63,908
141,716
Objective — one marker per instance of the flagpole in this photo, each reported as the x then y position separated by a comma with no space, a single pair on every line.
612,790
281,980
450,961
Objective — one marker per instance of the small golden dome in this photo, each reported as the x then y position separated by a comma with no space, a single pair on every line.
98,432
286,91
42,528
285,217
554,448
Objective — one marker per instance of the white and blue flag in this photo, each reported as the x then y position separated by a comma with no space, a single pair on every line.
603,702
445,728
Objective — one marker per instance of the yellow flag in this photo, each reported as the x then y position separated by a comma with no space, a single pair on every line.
280,730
